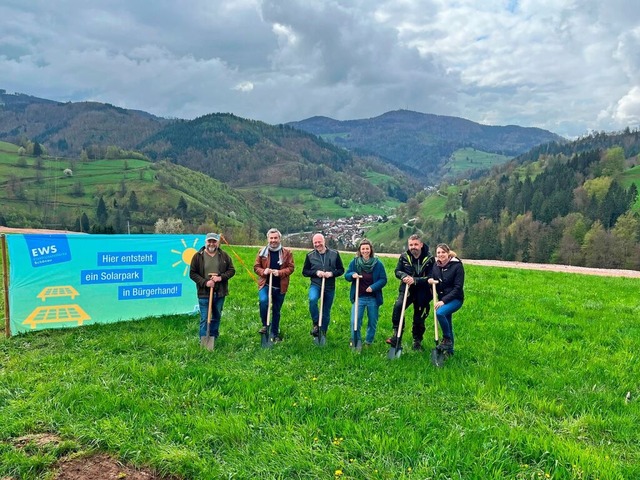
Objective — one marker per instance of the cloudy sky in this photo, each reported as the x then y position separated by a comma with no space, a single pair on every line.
569,66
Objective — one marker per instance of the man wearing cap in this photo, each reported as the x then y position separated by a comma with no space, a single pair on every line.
211,268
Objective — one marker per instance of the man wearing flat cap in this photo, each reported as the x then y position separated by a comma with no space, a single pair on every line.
211,269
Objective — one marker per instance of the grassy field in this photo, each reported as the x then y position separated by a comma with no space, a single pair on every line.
466,159
630,176
537,389
325,207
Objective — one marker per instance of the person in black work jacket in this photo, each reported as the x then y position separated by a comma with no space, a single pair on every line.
413,268
321,262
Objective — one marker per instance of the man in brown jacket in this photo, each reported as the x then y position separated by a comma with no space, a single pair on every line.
211,268
276,261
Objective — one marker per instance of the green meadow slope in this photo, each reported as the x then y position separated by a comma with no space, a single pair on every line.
544,384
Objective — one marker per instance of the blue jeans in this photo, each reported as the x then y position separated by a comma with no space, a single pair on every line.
444,315
216,314
277,299
369,304
314,298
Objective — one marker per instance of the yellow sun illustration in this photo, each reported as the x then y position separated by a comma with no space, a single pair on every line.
186,255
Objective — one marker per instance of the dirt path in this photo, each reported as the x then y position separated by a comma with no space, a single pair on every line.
603,272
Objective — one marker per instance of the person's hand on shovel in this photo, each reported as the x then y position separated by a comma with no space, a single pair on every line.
439,303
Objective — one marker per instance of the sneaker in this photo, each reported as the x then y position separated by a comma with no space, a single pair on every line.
367,344
263,330
417,345
315,331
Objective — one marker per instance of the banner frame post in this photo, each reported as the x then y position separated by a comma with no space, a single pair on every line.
5,285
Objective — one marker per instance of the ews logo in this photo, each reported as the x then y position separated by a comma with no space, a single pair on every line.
48,249
38,252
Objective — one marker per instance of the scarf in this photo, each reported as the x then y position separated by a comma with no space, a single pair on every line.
366,266
265,251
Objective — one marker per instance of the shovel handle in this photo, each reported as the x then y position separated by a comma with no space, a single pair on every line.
321,303
269,304
355,305
435,317
211,275
404,307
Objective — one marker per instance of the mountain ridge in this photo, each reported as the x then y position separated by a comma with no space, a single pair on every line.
419,142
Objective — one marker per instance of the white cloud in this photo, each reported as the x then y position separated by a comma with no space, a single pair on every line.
567,66
244,87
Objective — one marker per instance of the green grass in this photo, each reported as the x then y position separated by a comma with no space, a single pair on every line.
536,389
630,176
466,159
303,200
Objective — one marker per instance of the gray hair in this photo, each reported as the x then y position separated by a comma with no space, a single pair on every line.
274,230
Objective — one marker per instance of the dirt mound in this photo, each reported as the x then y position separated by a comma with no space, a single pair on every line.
82,465
100,467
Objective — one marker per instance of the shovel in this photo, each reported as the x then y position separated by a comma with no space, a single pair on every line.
357,341
209,341
437,357
266,340
396,352
321,339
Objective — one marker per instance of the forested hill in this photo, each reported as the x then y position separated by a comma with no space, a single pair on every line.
572,208
248,153
422,143
238,151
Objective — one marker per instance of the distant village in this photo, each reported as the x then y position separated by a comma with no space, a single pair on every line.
343,233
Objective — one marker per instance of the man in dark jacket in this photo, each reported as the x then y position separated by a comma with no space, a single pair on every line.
413,268
321,262
211,269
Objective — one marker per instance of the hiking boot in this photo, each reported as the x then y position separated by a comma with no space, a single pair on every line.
315,331
276,339
446,345
263,330
417,345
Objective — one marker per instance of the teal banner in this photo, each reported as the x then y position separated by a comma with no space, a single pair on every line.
59,280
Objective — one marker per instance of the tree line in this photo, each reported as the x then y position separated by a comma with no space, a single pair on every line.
574,211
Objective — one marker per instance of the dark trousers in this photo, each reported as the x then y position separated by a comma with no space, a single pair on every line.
420,313
277,299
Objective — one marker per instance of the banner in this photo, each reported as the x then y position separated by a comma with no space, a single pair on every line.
59,280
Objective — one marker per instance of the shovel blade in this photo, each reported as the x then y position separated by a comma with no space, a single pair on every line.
395,352
356,345
437,357
265,342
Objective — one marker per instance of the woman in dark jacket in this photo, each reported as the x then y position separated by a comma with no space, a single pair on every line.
448,275
373,278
